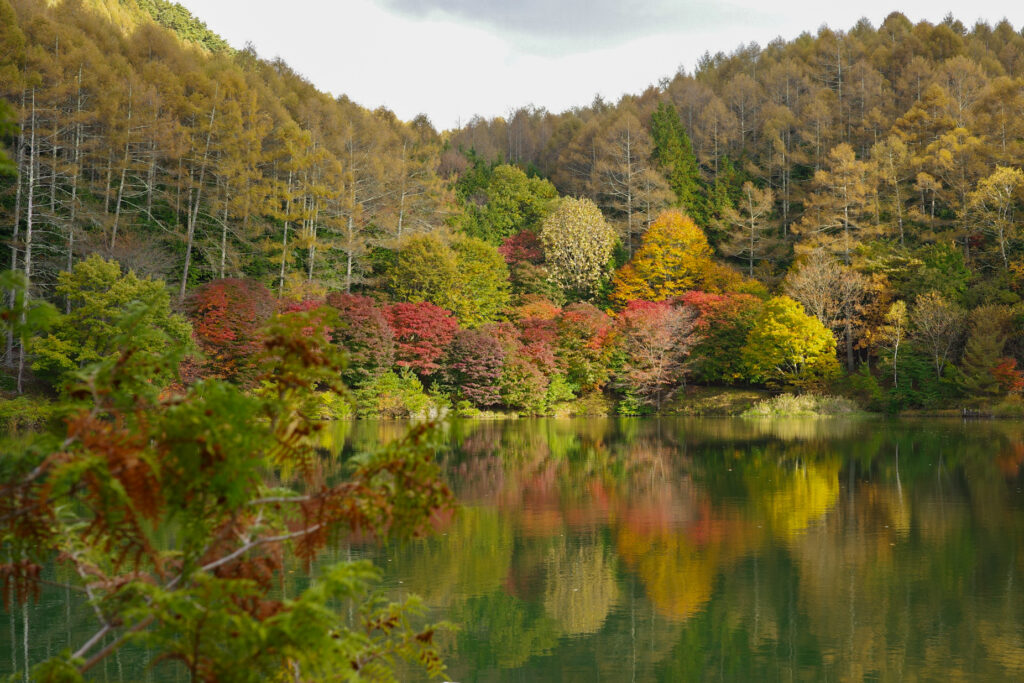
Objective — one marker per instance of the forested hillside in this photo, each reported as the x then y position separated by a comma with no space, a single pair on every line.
838,212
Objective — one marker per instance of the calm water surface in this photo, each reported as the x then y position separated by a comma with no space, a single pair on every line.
715,549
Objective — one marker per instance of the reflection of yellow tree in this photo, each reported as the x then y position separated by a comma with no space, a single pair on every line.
677,575
797,496
472,559
580,588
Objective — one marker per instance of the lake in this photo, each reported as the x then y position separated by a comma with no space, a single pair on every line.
695,549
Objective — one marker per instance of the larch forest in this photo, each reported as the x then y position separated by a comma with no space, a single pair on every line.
208,258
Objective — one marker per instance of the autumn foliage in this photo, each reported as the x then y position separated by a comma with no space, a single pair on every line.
421,332
228,317
364,335
656,339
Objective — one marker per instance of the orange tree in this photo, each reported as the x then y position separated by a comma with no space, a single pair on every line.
674,258
177,511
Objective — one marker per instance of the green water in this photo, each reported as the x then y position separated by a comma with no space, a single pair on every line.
715,549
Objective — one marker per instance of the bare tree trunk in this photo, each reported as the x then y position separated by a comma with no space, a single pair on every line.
401,198
124,171
33,153
193,217
284,240
19,156
224,230
73,213
312,246
53,175
348,254
151,178
110,177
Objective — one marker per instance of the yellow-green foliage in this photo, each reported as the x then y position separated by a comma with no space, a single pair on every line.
578,245
24,414
787,346
101,297
806,405
460,273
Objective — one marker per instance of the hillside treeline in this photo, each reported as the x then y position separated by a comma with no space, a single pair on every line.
189,164
851,193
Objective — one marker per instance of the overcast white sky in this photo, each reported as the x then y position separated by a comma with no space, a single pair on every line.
451,59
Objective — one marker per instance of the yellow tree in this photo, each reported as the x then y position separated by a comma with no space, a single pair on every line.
893,166
628,184
840,208
748,226
839,212
992,204
955,159
673,258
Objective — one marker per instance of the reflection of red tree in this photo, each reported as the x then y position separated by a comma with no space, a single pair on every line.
479,480
539,504
1010,459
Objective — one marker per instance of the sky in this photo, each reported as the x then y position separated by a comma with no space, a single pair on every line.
453,59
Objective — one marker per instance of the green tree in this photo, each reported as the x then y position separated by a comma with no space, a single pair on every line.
482,285
787,346
7,128
102,298
515,202
172,509
982,353
674,155
578,246
460,273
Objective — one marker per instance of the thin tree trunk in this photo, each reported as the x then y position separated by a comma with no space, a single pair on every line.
348,254
124,171
76,171
312,246
110,178
33,153
284,240
224,230
53,174
19,156
193,217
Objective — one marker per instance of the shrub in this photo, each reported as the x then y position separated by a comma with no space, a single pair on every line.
227,320
791,405
422,331
523,386
364,334
392,395
24,414
472,368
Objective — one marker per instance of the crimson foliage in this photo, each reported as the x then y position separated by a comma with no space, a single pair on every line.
365,336
472,370
523,246
227,318
421,331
